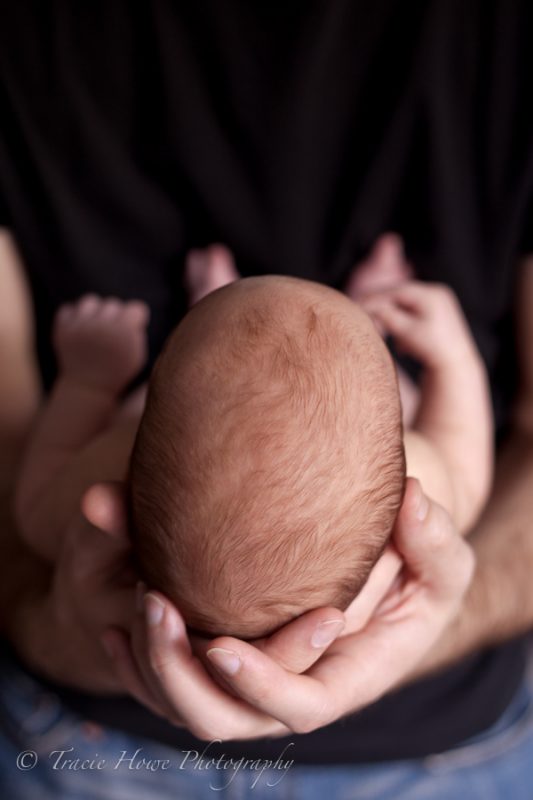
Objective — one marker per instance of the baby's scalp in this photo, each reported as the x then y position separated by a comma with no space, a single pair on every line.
269,465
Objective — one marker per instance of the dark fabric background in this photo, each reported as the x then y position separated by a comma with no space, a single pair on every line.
294,132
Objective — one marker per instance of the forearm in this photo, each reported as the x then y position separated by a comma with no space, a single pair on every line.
23,577
455,417
24,580
499,603
41,624
19,380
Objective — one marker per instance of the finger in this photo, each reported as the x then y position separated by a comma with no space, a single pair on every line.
388,254
172,671
377,586
411,296
91,554
392,644
298,701
144,656
430,545
394,319
422,298
138,311
104,506
358,669
117,646
301,642
384,267
388,248
306,702
379,656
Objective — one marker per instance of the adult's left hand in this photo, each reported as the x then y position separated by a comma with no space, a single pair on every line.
89,588
258,691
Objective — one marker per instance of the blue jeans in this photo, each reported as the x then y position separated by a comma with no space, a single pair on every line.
49,753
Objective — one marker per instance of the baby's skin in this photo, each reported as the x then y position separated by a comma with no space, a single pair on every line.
85,432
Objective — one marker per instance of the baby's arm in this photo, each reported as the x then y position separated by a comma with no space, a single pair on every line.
450,448
100,347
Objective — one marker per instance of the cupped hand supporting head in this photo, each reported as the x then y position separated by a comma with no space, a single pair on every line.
303,676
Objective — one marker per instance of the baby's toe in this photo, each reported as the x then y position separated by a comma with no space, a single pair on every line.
64,315
110,310
137,313
87,307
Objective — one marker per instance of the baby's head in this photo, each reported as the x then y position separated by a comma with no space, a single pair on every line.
269,466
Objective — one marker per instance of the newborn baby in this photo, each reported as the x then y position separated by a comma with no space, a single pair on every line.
269,461
269,464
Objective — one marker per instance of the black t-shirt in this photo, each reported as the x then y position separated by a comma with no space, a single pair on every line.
295,132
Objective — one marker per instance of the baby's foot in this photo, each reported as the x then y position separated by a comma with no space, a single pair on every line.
207,270
101,342
385,268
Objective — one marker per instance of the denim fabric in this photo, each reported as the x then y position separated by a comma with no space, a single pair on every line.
49,753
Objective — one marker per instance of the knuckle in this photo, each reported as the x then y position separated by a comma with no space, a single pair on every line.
441,290
202,733
439,534
304,726
263,692
468,566
212,733
276,729
159,662
445,295
312,720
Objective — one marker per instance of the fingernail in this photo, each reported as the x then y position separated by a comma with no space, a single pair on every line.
225,660
154,609
140,591
326,633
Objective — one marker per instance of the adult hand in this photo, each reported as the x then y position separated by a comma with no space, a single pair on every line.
91,587
258,691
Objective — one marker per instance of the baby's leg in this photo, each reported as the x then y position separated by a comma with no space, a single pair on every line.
100,347
454,416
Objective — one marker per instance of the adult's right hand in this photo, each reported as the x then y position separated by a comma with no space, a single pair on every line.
258,694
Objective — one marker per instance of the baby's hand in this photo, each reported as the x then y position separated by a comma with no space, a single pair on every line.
101,342
425,320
